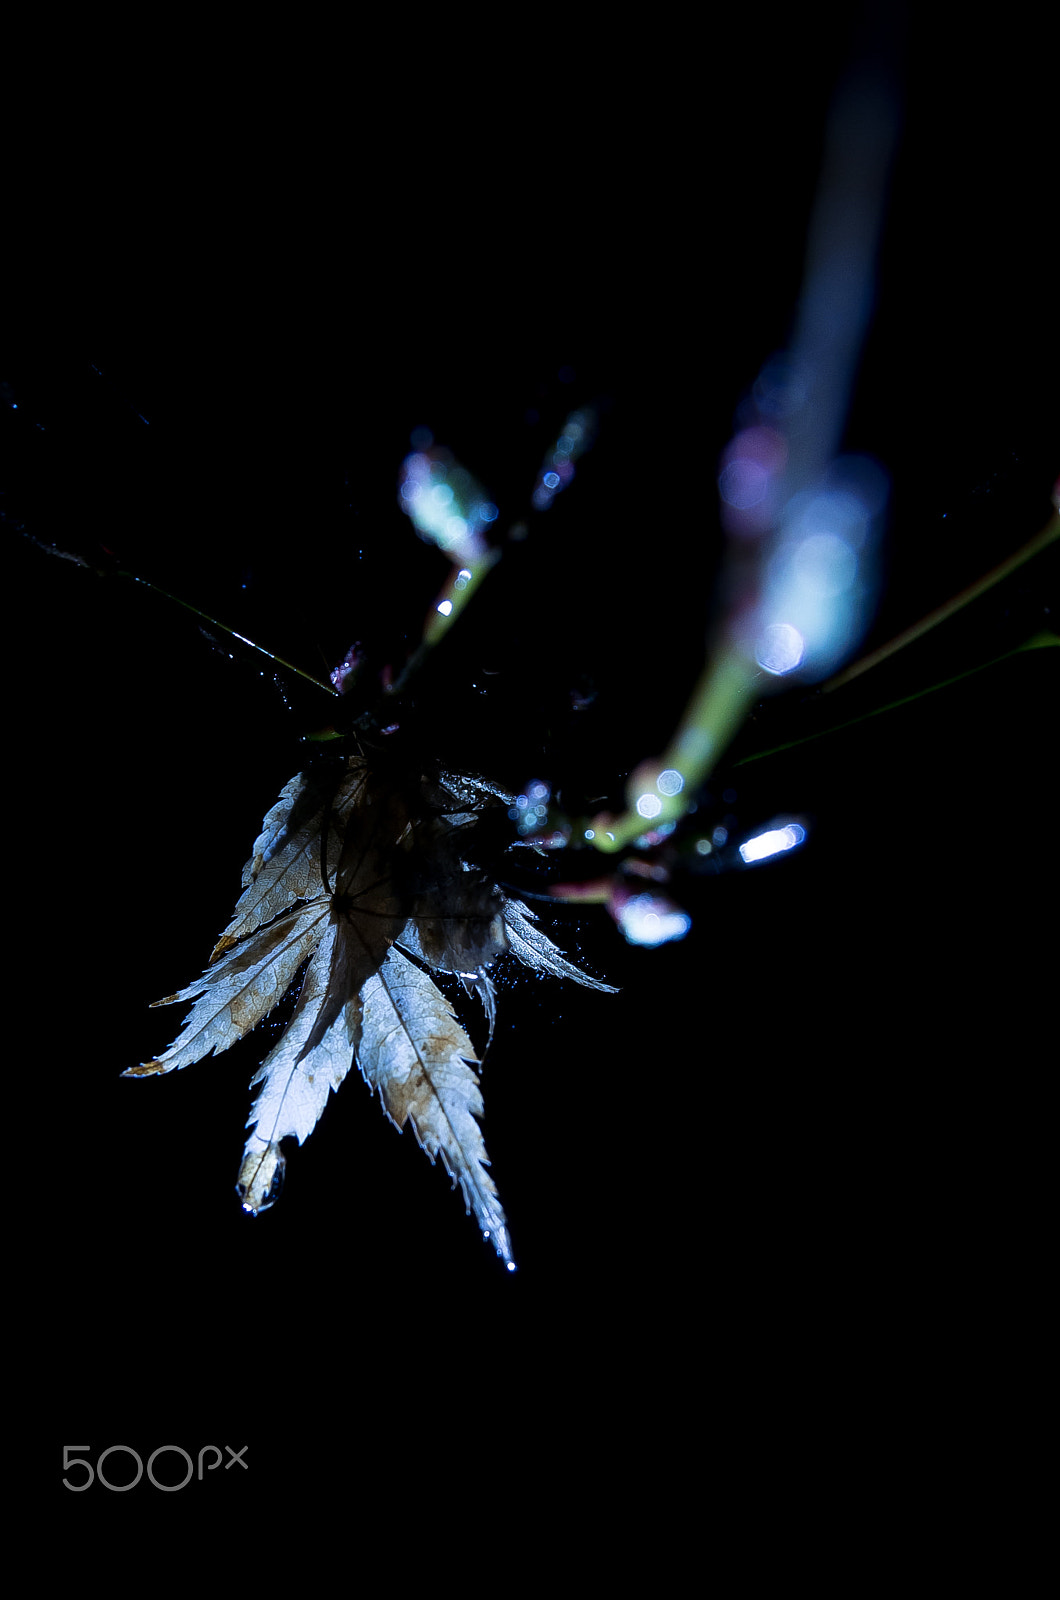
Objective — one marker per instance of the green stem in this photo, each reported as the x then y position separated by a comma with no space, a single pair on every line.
660,791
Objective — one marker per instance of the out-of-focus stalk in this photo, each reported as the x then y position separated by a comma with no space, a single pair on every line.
803,522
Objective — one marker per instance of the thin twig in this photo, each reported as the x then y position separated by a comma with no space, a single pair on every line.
214,623
1033,546
1039,641
121,572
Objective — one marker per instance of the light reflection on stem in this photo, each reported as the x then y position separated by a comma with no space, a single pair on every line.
289,666
718,705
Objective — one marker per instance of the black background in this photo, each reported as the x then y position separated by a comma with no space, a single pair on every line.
805,1137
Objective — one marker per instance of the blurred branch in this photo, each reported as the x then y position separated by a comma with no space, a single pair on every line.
802,521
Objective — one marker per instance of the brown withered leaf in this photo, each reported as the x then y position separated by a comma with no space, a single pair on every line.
367,880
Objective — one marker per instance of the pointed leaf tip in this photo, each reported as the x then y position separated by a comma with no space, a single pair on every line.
261,1177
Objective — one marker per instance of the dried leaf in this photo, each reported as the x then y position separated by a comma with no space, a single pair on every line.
536,950
241,988
285,865
296,1083
418,1056
371,876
